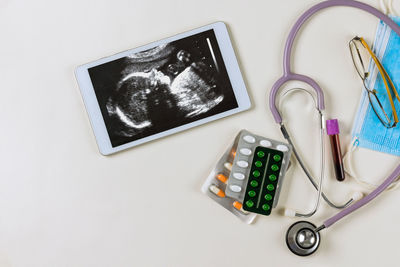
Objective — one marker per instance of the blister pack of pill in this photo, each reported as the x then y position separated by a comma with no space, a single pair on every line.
257,172
215,185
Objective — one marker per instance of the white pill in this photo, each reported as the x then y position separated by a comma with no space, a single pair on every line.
242,164
282,148
249,139
238,175
235,188
245,151
265,143
228,166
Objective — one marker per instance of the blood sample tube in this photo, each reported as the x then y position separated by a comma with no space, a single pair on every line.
332,129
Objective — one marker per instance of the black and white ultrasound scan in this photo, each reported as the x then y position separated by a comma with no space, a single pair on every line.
162,88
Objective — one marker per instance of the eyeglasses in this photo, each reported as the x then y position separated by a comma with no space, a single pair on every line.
361,54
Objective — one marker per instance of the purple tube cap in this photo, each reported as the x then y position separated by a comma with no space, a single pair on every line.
332,127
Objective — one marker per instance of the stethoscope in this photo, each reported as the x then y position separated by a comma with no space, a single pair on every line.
303,238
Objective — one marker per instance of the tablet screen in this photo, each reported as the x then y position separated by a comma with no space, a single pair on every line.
161,88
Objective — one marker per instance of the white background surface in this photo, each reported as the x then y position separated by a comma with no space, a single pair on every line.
63,204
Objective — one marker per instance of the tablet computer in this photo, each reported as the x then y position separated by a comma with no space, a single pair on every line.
162,88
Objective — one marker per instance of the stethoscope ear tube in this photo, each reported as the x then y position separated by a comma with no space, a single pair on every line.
293,77
290,212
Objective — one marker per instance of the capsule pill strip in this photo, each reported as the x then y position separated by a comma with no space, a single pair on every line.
215,186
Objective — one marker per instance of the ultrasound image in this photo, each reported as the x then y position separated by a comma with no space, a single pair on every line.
162,88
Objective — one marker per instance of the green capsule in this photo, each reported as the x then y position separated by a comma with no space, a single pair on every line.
270,187
256,173
249,203
252,193
268,197
266,207
258,163
260,154
254,183
274,167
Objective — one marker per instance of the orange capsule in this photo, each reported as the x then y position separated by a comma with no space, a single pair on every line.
233,153
217,191
237,205
222,178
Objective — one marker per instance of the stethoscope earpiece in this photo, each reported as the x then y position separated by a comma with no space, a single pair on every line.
302,238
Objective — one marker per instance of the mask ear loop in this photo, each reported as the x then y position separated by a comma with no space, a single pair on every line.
387,7
391,9
350,170
384,7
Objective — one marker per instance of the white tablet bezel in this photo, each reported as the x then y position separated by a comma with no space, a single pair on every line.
93,108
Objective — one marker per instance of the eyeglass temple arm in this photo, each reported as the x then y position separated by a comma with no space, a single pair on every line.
386,79
379,64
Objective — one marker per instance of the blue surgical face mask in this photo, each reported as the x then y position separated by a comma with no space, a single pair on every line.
367,128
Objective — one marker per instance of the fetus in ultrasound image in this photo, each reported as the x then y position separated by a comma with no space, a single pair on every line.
162,88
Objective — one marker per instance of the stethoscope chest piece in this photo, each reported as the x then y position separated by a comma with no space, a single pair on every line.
302,239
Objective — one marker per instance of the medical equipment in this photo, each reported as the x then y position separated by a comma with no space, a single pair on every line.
303,238
367,129
332,129
162,88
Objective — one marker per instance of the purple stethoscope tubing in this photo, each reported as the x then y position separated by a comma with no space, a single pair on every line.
288,75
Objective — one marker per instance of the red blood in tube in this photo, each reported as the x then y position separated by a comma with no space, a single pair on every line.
332,128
